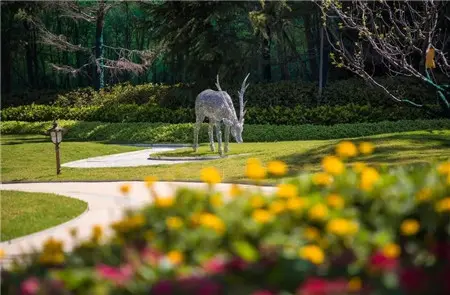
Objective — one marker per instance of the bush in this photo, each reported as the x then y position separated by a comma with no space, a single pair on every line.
183,133
354,230
323,115
284,94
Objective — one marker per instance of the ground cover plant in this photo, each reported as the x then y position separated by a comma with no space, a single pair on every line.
419,147
24,213
345,229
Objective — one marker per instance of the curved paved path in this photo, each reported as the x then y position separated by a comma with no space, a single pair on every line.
105,204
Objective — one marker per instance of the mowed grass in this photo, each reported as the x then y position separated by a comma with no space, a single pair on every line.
32,158
24,213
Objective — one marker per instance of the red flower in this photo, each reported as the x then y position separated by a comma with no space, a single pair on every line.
236,264
162,288
30,286
119,275
379,261
413,279
263,292
215,266
318,286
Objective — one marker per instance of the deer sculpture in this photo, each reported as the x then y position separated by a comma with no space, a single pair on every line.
218,107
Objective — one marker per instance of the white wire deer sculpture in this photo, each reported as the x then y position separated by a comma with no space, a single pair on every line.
218,107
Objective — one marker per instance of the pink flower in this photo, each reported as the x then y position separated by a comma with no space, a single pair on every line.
379,261
119,275
208,288
318,286
215,266
30,286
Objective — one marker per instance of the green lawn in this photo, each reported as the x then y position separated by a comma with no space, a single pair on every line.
25,213
32,157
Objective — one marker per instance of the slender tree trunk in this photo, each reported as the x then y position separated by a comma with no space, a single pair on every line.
6,61
29,55
267,71
100,71
310,37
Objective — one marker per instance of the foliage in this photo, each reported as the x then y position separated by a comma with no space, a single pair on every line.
182,133
344,230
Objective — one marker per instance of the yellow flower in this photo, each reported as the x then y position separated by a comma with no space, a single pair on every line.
125,189
369,176
444,168
322,178
312,253
53,245
254,170
366,148
354,285
212,221
296,203
391,250
335,201
216,200
429,58
409,227
2,253
286,190
311,234
443,205
424,194
277,168
150,180
318,212
333,165
174,222
257,201
235,190
97,233
358,167
346,149
262,216
175,257
165,202
52,253
277,207
210,175
342,227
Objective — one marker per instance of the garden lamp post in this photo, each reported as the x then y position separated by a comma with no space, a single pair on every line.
56,134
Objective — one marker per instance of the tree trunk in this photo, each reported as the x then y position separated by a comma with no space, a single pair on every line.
6,61
311,47
267,71
29,55
99,69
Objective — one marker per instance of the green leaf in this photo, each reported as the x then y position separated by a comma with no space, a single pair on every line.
245,251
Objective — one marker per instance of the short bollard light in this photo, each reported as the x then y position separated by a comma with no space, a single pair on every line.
56,134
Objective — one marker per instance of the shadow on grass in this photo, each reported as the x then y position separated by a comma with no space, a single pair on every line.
408,149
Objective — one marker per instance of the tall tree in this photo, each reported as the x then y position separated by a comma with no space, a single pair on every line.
408,37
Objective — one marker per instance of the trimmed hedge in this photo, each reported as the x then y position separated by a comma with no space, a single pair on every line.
182,133
323,115
284,93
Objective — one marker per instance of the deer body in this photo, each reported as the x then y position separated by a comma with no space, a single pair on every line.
218,107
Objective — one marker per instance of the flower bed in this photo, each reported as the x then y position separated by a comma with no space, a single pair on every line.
349,229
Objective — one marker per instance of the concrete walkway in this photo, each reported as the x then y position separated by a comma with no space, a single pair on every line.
105,205
130,159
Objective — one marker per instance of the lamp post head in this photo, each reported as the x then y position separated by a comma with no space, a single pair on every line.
56,133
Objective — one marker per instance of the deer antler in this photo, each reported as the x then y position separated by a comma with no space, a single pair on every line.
241,99
217,83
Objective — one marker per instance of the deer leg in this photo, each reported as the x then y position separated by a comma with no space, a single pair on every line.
197,126
211,136
227,138
219,137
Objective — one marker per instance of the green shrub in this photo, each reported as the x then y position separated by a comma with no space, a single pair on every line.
344,230
182,133
323,115
262,95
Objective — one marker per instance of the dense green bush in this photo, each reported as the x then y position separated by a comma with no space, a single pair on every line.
324,115
284,93
182,133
